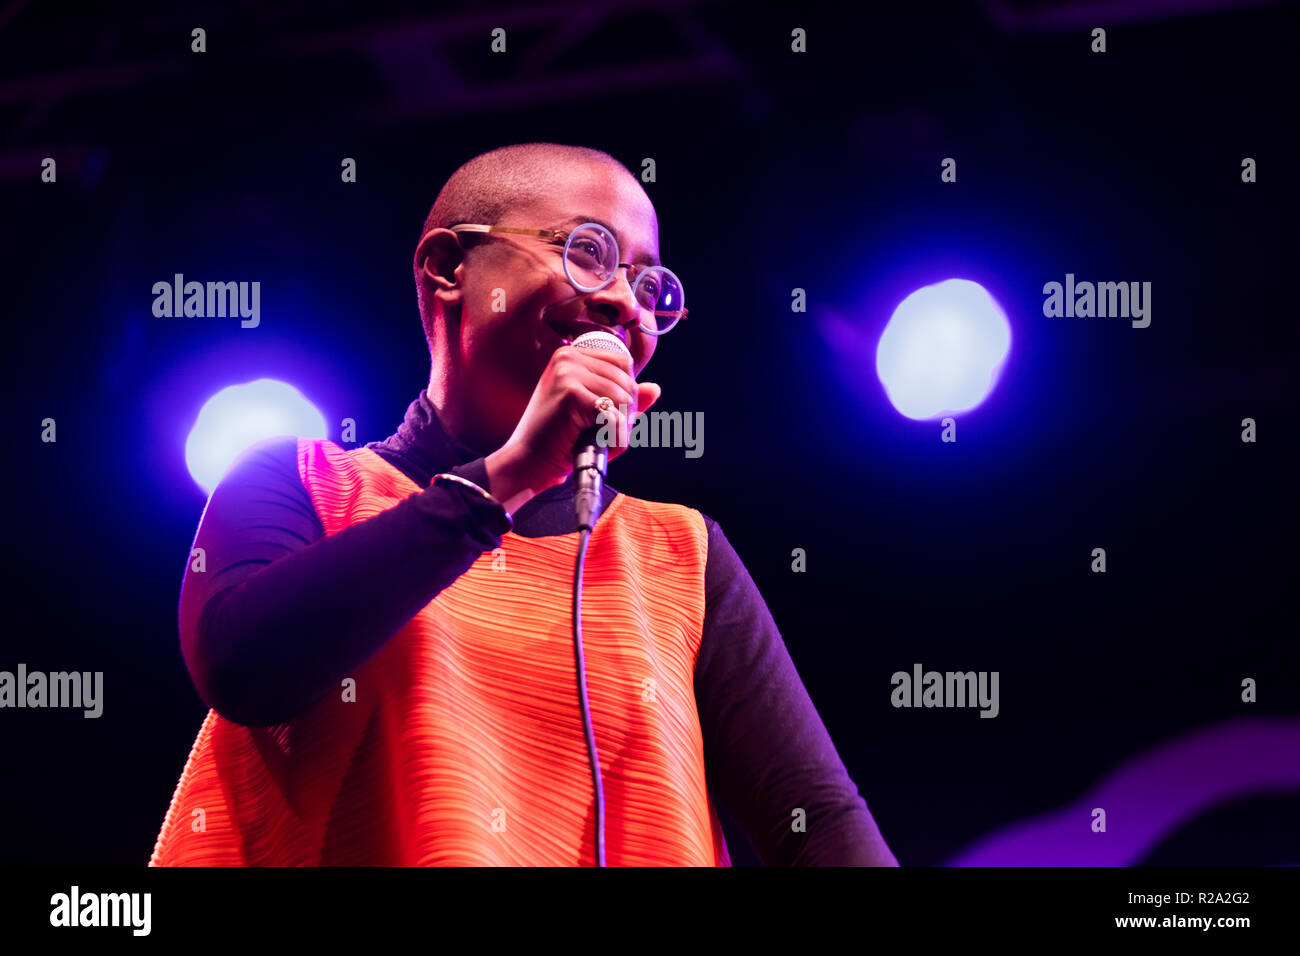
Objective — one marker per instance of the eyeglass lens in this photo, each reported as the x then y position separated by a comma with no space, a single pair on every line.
591,258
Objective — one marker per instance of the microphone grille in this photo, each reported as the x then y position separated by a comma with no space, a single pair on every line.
602,341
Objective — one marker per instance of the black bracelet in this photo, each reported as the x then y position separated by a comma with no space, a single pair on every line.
465,482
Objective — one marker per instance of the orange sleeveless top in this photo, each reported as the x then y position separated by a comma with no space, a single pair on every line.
460,742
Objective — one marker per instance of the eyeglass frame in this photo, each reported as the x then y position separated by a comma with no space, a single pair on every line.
556,236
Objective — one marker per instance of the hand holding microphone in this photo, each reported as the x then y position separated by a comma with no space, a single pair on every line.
541,451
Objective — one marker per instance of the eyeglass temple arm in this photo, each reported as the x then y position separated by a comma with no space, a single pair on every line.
474,227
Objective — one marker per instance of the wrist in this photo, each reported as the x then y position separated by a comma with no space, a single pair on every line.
510,479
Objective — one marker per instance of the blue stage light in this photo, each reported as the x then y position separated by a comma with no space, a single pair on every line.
239,416
943,349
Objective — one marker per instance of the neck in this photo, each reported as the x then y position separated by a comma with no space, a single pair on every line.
443,390
455,424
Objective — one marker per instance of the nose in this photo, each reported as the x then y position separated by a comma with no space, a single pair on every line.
615,303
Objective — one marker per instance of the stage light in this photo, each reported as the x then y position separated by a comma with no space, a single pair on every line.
943,349
241,415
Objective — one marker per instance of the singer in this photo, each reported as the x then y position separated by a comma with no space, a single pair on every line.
383,633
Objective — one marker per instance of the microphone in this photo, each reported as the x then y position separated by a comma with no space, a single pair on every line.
590,458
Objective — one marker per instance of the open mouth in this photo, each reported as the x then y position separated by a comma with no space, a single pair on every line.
570,329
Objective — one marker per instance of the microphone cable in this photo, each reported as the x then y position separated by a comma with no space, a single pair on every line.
584,535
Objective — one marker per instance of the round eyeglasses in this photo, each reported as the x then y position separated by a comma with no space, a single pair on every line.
591,263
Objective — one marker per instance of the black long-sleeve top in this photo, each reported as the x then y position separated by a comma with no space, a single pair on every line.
281,612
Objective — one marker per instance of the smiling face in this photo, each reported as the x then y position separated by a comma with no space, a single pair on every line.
504,306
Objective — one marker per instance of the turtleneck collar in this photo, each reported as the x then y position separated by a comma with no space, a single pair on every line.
421,445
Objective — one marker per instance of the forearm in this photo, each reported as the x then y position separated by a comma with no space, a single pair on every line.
263,650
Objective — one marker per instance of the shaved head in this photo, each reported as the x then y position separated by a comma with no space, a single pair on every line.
490,185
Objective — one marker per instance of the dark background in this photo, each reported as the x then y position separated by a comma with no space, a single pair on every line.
774,171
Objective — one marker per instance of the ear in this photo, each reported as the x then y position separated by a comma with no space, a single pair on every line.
437,260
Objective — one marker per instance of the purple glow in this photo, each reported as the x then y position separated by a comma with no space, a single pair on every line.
1150,796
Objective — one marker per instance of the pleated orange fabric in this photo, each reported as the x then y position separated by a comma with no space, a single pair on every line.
464,744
